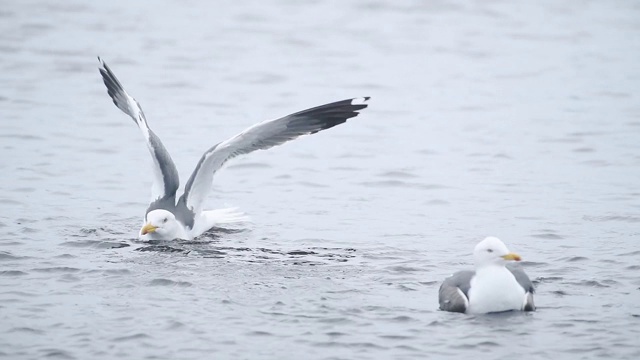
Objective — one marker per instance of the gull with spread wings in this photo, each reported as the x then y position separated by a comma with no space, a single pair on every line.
169,217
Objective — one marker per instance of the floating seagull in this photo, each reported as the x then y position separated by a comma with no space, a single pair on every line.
493,287
167,218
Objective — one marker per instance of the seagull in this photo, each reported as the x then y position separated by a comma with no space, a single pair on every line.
493,287
169,217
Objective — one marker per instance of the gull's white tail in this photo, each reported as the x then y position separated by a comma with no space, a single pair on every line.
226,216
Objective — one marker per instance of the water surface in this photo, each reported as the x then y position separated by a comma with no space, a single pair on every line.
514,119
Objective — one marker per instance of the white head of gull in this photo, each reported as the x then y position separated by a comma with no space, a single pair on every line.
162,224
495,285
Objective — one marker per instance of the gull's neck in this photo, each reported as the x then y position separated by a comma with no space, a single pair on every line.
492,273
490,267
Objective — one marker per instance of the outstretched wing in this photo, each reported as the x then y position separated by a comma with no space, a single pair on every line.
165,180
263,136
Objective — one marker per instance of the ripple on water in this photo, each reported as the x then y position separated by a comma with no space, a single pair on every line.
6,201
623,218
97,244
401,184
161,248
117,272
311,256
547,235
131,337
403,269
259,333
12,273
527,264
168,282
11,243
584,150
310,184
397,175
175,325
429,283
589,283
335,333
22,136
27,330
436,202
5,255
69,278
359,345
56,354
19,293
59,269
29,230
396,337
575,258
402,319
25,221
488,343
403,287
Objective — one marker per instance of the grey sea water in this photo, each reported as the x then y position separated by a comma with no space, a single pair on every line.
509,118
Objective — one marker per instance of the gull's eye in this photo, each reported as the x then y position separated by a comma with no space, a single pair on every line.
165,220
488,250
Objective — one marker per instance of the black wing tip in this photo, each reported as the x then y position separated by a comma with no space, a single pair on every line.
103,65
109,78
114,88
329,115
529,307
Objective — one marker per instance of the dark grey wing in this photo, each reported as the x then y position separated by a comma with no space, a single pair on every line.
521,277
165,180
525,282
454,292
263,136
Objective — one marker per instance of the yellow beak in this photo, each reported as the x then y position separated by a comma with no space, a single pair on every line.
511,256
148,229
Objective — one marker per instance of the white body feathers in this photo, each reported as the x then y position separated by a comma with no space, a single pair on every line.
495,289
